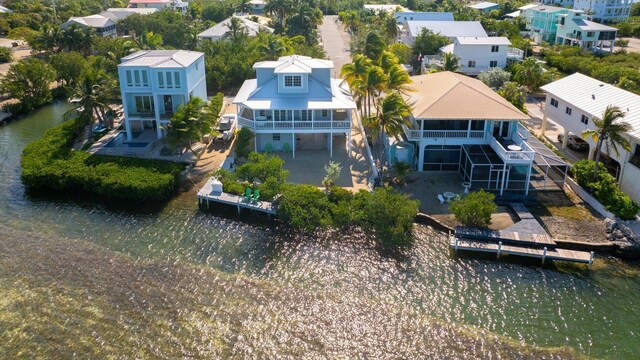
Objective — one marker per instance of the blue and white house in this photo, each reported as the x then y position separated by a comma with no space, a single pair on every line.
154,83
295,104
460,125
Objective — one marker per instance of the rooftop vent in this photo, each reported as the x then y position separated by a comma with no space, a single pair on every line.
593,96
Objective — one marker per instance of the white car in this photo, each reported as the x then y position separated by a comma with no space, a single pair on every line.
226,127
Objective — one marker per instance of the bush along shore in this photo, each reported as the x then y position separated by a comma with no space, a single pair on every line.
51,164
384,212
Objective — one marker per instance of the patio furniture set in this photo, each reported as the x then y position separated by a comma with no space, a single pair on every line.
251,197
448,195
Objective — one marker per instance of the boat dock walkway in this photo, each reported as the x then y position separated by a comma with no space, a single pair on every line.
207,195
524,238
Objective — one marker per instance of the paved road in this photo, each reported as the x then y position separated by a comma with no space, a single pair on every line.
335,42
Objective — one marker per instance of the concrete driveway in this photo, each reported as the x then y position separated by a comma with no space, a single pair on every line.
534,107
335,42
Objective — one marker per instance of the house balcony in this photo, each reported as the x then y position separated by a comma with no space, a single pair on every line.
417,135
290,120
515,54
501,146
149,116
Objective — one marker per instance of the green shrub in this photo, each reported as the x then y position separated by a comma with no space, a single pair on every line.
268,170
388,213
216,103
5,55
605,189
304,207
243,143
474,209
50,164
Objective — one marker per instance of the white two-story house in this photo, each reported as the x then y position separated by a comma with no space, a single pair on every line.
605,10
479,54
573,101
575,29
103,26
154,83
460,125
295,104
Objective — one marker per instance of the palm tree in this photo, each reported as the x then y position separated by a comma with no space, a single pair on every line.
450,63
244,7
189,123
237,30
609,131
387,60
271,47
353,73
398,79
51,39
280,9
390,26
148,41
302,21
392,113
373,83
374,45
95,91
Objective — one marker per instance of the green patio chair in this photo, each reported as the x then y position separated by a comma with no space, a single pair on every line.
268,148
285,147
247,194
256,196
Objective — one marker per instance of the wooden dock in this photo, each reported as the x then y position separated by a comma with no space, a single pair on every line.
206,195
526,238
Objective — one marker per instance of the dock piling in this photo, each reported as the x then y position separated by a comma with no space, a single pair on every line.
544,255
499,249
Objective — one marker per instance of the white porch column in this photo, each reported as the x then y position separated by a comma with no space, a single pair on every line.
526,185
349,144
543,127
255,142
592,151
127,123
156,106
331,145
564,139
504,175
420,156
293,140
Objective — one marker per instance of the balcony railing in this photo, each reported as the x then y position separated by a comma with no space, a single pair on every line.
447,134
295,125
525,155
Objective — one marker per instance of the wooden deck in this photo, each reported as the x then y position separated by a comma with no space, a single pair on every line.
206,195
525,238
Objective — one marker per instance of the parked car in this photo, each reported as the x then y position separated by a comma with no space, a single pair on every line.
574,142
226,127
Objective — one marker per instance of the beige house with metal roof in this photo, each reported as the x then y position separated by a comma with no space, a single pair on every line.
459,124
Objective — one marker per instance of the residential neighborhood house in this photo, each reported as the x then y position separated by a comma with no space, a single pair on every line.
160,4
485,6
403,16
460,125
294,104
542,22
390,8
221,30
575,30
154,83
103,26
479,54
450,29
257,6
573,101
599,10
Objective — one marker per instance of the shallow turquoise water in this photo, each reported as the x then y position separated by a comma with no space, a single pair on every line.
594,312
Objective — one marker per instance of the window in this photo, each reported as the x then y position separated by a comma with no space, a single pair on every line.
161,80
584,120
197,65
493,63
472,64
554,102
325,113
136,77
145,78
280,115
176,76
169,80
276,137
262,112
293,81
129,78
591,34
305,115
495,48
567,111
144,104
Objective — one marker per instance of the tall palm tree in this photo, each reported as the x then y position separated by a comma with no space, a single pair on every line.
271,47
450,62
51,39
609,131
353,73
237,30
374,82
392,113
398,79
189,123
301,21
387,60
374,45
280,9
147,41
95,91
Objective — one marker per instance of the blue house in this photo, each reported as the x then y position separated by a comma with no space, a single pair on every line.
294,103
154,83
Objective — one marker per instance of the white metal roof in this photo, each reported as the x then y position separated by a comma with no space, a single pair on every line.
528,6
222,28
483,5
116,14
483,40
424,16
448,28
94,21
592,26
294,64
514,14
593,96
162,58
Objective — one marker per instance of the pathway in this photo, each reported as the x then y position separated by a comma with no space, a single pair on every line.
335,42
